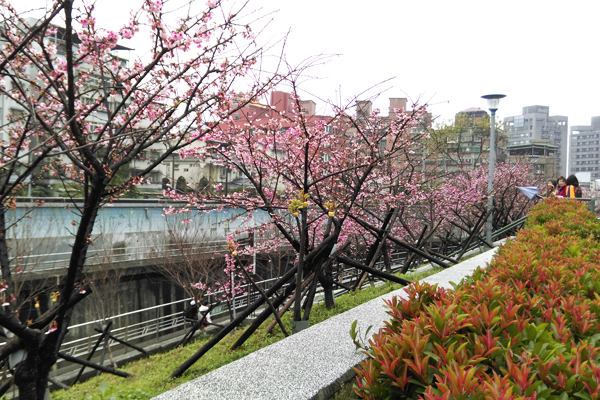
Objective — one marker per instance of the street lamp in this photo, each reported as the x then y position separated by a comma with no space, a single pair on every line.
493,100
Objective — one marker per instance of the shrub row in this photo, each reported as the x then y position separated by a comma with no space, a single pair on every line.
527,327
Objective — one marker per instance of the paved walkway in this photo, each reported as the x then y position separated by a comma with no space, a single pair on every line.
311,364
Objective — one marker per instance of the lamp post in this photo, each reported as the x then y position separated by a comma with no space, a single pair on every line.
492,100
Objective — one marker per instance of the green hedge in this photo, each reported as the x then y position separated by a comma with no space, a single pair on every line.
527,327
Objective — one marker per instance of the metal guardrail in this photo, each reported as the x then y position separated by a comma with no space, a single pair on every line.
53,261
153,328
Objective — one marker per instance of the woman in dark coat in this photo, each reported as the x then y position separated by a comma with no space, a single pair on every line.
573,189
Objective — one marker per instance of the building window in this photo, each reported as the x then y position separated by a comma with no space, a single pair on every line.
236,116
185,170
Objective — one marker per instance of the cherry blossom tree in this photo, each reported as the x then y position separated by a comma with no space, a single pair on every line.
335,188
317,178
85,113
189,257
461,200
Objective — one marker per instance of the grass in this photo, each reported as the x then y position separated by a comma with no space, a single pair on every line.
346,392
151,375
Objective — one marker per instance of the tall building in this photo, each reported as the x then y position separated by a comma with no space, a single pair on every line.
536,124
584,154
19,87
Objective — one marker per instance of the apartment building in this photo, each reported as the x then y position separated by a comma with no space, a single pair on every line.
13,111
463,145
534,124
540,154
584,153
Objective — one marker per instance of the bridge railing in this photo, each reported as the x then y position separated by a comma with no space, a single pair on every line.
99,257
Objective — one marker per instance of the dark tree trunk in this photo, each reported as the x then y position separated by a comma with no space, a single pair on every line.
4,258
326,281
30,377
386,258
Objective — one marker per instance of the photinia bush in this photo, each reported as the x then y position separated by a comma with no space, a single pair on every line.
526,327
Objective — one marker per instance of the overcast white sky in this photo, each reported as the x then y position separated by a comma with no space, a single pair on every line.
448,53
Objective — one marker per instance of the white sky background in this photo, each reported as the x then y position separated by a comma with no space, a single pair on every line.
446,52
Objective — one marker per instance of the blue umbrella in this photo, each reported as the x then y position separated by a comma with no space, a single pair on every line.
529,191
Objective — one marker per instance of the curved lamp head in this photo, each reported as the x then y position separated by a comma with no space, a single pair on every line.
493,100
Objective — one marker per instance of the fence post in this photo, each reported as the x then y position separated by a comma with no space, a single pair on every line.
157,321
126,331
593,205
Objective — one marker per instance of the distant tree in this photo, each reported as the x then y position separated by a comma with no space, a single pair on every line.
203,185
120,178
181,185
184,255
166,183
41,191
448,143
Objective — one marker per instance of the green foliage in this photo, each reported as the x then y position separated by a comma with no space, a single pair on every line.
526,328
70,190
120,178
345,393
41,191
452,139
204,185
36,191
357,338
181,185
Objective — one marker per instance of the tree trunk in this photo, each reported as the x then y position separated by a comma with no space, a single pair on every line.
386,258
31,374
326,281
4,258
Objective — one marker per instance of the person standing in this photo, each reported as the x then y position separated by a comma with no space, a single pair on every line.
551,188
573,190
204,313
561,186
191,313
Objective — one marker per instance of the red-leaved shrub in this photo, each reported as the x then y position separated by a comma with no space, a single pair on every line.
526,327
